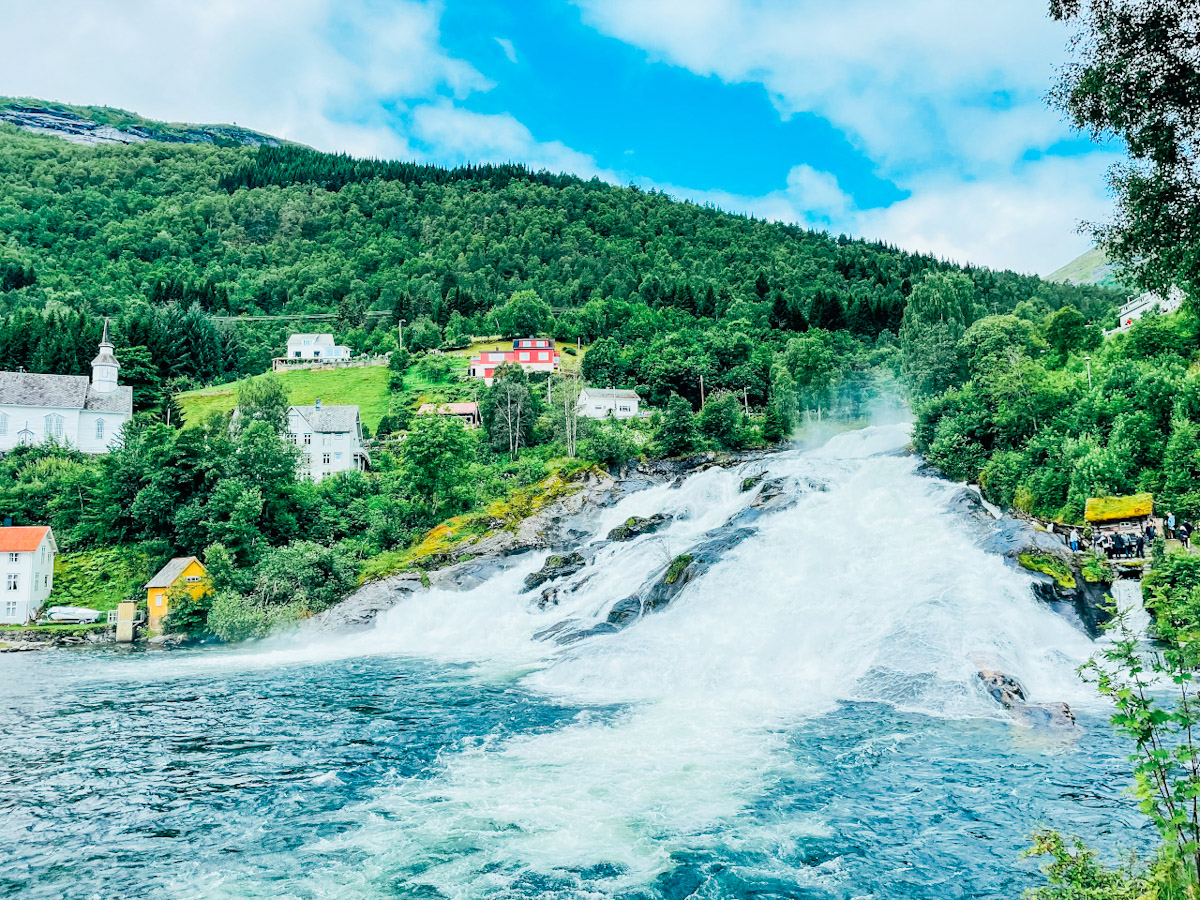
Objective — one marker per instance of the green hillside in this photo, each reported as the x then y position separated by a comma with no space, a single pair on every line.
165,236
366,387
1090,268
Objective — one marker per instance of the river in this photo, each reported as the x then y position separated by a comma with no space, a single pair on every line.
803,720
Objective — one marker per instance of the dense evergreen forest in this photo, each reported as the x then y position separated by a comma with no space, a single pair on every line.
157,233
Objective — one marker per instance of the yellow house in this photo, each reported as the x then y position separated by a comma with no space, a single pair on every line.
185,572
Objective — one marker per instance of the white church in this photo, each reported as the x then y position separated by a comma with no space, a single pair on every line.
87,414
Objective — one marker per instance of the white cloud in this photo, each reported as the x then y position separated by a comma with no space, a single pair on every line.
510,52
901,79
1027,220
321,72
461,136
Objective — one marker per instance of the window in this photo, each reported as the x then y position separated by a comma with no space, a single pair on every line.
46,581
307,440
192,579
14,557
12,581
337,455
296,354
158,600
543,356
99,429
325,458
3,423
10,608
524,357
54,425
324,440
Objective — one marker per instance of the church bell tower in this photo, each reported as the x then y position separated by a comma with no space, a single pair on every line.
105,366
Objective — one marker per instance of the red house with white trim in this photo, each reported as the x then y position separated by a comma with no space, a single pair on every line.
531,354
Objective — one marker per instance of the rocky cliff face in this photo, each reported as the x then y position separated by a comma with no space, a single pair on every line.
80,129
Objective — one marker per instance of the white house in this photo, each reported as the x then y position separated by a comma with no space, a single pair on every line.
329,437
86,414
596,403
315,346
1141,304
27,569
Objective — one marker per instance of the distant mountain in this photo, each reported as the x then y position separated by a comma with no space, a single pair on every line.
103,125
1093,267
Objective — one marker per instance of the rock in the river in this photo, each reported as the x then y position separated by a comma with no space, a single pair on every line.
1009,693
1005,689
635,526
360,608
555,567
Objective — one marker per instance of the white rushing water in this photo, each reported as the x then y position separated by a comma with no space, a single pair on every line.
867,590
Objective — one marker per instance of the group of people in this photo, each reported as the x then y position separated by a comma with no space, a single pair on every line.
1118,544
1125,544
1181,532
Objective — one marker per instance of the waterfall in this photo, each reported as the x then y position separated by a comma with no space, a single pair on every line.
863,590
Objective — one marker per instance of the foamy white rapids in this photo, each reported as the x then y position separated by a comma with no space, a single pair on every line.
864,590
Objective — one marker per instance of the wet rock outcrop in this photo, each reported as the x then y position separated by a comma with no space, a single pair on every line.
1075,598
635,526
360,608
1009,693
555,567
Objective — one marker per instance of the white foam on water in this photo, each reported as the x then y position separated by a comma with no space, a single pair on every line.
866,591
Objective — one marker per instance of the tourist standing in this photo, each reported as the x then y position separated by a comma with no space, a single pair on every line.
1169,526
1074,538
1185,535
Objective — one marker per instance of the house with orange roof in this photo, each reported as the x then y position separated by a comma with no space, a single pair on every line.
26,571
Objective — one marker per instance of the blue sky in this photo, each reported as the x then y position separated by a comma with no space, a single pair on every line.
922,123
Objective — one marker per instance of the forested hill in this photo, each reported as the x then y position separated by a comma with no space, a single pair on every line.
148,231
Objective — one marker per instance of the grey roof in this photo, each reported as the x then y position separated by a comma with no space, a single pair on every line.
55,391
118,402
605,394
62,392
167,574
329,418
105,357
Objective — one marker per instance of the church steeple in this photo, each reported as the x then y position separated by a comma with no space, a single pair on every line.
105,366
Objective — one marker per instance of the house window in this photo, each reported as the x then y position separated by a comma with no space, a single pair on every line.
337,455
10,608
12,581
99,429
524,357
54,425
158,600
3,423
14,557
296,354
46,581
324,440
325,458
307,440
192,579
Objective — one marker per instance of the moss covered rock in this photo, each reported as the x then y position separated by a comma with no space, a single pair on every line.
635,526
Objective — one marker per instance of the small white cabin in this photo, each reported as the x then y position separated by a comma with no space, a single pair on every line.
315,346
27,571
597,403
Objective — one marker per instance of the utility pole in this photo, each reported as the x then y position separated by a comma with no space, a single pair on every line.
401,337
702,390
746,400
1088,360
